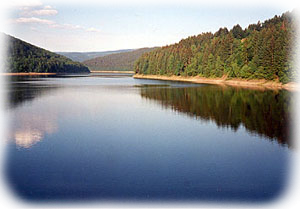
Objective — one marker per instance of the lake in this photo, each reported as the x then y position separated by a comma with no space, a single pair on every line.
110,137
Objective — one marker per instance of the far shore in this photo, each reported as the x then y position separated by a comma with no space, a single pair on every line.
113,71
27,74
253,84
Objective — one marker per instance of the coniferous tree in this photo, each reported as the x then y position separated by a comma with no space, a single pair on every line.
261,51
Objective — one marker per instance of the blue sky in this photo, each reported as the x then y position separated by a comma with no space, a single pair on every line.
94,26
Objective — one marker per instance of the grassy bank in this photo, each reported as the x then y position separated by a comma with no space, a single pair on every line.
255,84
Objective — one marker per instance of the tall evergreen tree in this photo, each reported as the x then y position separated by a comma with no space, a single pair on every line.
262,50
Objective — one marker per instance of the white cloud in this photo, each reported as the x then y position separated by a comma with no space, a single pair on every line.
34,20
74,27
66,26
36,9
47,7
52,24
29,13
70,26
47,10
92,30
20,3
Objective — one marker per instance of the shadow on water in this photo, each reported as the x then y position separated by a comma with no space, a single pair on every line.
22,89
266,113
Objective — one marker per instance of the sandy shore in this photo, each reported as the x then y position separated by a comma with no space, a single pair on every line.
107,71
27,73
254,84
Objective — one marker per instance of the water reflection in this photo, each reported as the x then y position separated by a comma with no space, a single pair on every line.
97,138
30,126
17,94
261,112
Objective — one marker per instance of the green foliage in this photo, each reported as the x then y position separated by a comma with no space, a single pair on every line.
238,32
192,67
24,57
261,51
245,71
219,67
122,61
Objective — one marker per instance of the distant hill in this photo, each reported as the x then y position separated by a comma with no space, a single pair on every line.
120,61
25,57
83,56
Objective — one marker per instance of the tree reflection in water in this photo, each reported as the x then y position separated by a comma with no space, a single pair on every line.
263,112
29,127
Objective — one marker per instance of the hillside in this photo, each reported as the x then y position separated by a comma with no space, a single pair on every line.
121,61
260,51
83,56
25,57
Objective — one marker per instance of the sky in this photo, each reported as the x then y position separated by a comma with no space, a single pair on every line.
84,26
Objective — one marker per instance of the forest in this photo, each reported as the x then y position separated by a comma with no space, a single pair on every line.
122,61
24,57
260,51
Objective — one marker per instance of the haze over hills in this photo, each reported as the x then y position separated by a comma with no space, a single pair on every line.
123,61
25,57
260,51
83,56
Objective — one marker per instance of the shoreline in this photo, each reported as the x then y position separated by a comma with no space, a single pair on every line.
113,71
9,74
253,84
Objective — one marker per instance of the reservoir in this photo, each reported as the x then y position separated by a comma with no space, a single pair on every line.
110,137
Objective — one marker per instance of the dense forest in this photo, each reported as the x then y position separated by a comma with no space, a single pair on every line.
24,57
120,61
260,51
265,113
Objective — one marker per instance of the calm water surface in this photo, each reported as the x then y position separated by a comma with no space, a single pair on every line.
110,137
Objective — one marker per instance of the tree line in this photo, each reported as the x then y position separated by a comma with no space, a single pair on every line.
260,51
24,57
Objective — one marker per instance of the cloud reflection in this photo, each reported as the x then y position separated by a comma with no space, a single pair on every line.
31,128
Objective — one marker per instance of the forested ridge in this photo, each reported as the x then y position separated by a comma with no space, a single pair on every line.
119,61
25,57
83,56
260,51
